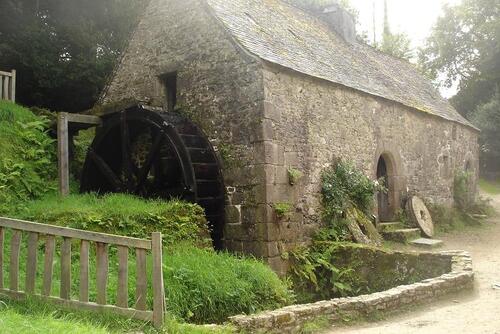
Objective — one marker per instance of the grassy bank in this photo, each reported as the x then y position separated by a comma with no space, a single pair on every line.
490,187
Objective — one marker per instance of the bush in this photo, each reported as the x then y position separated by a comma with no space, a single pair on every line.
204,286
123,215
28,163
344,186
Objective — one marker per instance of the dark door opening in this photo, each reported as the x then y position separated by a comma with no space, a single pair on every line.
384,204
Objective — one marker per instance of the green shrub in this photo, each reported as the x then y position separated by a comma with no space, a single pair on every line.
28,163
343,188
343,185
204,286
121,214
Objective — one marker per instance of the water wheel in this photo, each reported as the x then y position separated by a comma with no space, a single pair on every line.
154,154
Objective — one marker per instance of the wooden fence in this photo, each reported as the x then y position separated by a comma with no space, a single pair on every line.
39,232
8,85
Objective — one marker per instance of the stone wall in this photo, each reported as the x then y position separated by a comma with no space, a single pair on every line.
313,121
292,319
219,87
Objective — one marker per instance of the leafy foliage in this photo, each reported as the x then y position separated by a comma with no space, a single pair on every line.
487,118
64,49
464,49
343,186
397,45
27,167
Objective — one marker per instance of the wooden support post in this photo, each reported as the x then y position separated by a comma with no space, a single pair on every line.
158,291
63,153
13,86
6,87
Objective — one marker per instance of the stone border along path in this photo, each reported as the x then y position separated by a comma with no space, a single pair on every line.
291,319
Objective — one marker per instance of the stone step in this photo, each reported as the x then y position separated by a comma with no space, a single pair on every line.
427,243
402,235
390,226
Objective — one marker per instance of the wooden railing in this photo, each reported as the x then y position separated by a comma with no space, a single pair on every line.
39,232
8,85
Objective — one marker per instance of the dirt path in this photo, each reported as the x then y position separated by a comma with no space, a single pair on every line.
476,312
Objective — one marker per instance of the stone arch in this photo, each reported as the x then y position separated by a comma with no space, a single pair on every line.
387,164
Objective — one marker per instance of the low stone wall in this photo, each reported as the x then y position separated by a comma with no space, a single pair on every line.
292,318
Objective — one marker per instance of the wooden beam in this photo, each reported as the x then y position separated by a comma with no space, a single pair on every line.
6,74
13,86
84,119
75,234
63,152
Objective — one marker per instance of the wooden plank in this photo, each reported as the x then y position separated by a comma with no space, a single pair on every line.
15,248
31,262
66,269
1,86
158,291
75,234
102,272
80,306
141,283
84,271
2,236
50,247
13,89
6,84
84,119
122,293
63,152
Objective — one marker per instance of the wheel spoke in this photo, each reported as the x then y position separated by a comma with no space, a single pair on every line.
106,171
126,160
144,172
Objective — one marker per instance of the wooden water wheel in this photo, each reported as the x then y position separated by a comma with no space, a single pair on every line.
154,154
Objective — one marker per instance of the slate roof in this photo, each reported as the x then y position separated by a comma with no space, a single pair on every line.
285,35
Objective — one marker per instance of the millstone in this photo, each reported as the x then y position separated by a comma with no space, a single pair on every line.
421,215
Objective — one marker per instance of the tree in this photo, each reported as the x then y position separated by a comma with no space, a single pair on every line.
464,49
487,118
397,45
64,50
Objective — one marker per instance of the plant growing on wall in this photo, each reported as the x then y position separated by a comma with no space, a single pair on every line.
294,176
282,209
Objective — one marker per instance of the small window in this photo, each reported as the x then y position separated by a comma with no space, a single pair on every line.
169,82
454,132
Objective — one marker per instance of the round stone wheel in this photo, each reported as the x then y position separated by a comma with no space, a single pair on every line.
421,216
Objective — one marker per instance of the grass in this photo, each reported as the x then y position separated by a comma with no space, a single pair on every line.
490,187
122,215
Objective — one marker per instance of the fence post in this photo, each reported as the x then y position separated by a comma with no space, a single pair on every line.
13,86
158,290
63,152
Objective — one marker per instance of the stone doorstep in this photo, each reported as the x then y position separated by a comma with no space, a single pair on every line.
402,235
291,318
389,226
427,243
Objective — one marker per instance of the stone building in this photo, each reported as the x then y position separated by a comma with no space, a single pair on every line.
276,87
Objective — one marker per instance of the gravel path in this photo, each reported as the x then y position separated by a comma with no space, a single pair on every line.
473,312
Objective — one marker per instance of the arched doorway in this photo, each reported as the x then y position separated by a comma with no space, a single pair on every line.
386,200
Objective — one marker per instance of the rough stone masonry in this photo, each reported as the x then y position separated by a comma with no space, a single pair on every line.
277,88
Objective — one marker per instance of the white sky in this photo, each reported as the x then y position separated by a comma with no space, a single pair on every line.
413,17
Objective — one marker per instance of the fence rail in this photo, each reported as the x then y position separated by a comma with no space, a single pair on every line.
8,85
47,233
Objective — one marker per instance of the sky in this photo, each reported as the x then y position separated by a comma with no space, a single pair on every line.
413,17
